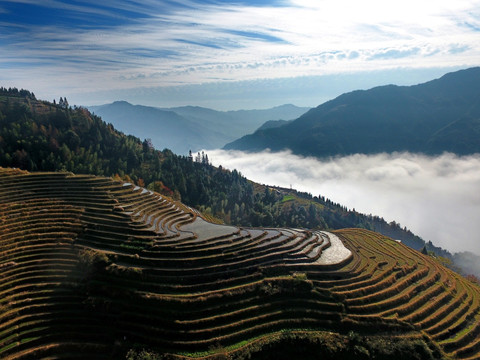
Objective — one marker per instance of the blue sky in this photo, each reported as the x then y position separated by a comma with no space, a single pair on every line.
230,54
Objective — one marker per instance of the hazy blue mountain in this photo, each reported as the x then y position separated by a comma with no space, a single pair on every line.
147,122
187,128
282,112
437,116
270,124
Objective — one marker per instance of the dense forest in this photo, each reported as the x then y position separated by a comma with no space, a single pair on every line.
49,136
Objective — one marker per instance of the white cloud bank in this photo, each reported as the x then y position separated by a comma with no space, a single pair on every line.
438,198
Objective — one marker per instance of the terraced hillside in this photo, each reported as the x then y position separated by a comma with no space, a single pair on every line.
92,268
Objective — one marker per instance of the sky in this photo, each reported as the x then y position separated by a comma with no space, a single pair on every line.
436,198
229,55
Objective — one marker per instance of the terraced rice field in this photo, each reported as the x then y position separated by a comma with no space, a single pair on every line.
91,267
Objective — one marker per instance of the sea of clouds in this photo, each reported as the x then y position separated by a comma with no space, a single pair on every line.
438,198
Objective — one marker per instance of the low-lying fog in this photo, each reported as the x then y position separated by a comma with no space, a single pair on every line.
438,198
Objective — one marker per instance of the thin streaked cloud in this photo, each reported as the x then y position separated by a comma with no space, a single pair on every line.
70,46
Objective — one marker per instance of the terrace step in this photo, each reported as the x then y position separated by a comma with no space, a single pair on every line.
90,265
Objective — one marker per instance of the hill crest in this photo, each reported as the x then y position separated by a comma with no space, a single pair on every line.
388,118
185,128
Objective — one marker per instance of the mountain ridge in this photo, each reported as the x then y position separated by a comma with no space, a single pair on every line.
185,128
386,118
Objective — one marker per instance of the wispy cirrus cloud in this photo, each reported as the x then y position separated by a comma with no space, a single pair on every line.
129,43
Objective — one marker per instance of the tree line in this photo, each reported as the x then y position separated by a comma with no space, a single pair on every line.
44,136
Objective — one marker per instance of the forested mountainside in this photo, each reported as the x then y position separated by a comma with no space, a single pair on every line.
42,136
439,116
95,268
185,128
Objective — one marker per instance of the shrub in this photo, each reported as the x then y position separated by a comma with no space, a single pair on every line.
143,355
91,260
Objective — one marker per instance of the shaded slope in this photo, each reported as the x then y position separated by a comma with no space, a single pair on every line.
187,128
384,119
273,124
162,126
236,123
92,266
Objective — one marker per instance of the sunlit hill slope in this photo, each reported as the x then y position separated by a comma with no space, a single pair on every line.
91,267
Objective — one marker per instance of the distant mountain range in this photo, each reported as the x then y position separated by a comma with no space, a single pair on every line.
187,128
434,117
